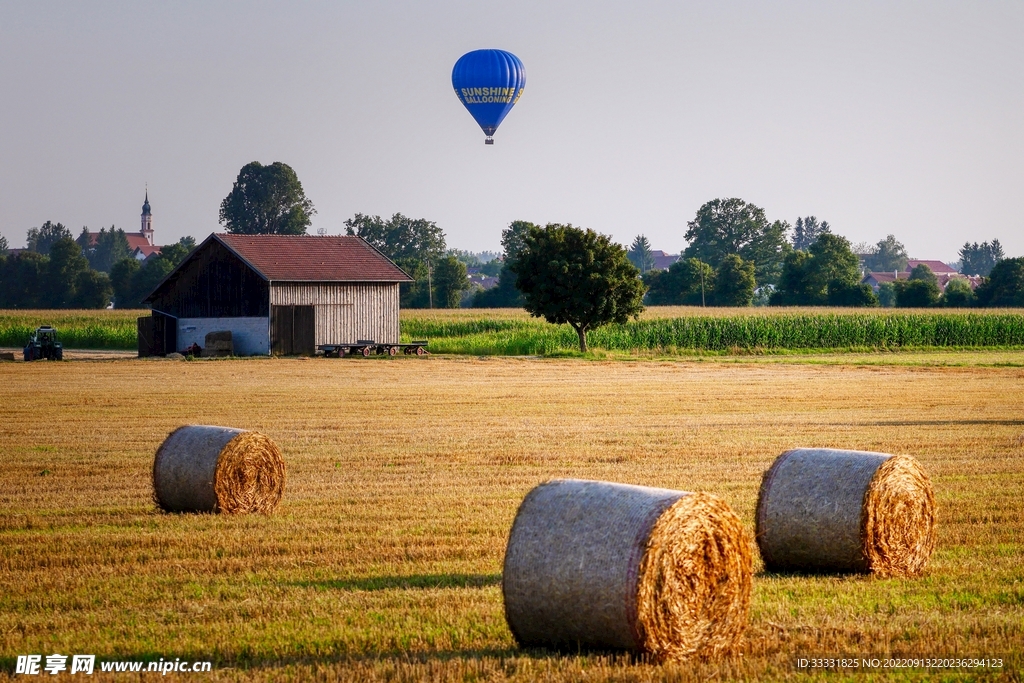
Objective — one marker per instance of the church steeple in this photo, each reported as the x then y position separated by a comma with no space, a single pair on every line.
147,220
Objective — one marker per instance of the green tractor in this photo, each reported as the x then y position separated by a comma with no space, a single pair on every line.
44,344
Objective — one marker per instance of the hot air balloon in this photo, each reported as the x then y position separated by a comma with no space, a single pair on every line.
489,83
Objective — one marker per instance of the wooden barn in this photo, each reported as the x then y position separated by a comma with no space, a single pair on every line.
276,294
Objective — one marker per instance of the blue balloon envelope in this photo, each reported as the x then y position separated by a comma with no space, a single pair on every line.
489,83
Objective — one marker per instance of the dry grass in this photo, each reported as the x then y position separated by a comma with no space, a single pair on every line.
383,559
693,591
603,565
899,518
204,468
829,510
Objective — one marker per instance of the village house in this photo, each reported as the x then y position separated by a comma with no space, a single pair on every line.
276,294
942,271
662,260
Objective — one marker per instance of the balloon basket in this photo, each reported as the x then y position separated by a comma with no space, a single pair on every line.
488,140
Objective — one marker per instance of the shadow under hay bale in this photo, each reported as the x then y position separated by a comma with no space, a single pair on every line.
610,566
827,510
201,468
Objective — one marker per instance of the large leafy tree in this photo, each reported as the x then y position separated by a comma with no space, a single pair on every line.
853,295
111,246
980,259
920,290
66,262
132,280
958,294
575,276
922,272
828,273
732,226
916,293
687,282
887,256
449,279
513,239
794,283
400,238
61,279
3,246
84,240
92,289
23,280
887,294
415,244
175,253
807,230
734,282
640,254
1005,284
123,276
832,260
42,238
266,200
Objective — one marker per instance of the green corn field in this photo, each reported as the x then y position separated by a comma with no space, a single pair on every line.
660,330
802,330
114,329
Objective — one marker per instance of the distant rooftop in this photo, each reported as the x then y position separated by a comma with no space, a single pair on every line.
936,266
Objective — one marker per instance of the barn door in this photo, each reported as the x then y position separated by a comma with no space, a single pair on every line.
145,332
165,334
281,319
292,330
304,331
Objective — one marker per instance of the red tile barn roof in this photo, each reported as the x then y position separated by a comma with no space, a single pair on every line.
309,258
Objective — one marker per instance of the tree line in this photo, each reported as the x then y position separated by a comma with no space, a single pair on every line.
729,239
57,271
51,273
735,256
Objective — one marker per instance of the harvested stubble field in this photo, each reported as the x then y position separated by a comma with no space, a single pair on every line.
383,561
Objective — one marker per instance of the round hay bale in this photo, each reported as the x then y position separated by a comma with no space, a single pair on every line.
826,510
201,468
609,566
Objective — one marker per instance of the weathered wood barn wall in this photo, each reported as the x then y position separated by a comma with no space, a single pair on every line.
213,282
344,312
276,294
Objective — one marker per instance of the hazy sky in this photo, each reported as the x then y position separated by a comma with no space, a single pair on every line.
887,117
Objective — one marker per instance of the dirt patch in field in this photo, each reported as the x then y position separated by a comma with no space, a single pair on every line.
82,354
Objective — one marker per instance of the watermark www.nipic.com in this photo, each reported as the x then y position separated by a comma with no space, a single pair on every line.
873,663
34,665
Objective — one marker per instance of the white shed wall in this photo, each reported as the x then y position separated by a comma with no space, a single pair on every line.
249,336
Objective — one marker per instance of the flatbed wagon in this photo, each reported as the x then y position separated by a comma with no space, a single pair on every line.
369,347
